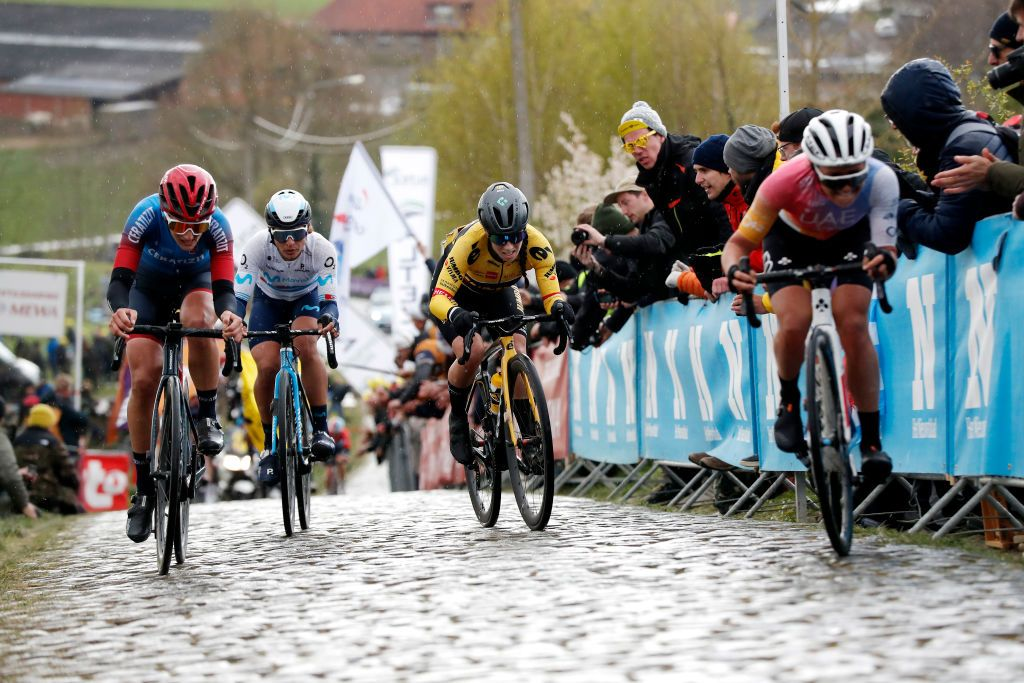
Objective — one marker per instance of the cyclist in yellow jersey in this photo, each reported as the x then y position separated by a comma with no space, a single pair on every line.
476,277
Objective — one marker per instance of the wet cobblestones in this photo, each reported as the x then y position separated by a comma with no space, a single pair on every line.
409,587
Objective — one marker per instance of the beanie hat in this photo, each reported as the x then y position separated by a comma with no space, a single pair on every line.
1004,31
791,128
41,415
748,147
639,116
609,220
565,271
709,153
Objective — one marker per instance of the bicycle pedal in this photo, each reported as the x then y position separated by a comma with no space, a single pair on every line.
159,475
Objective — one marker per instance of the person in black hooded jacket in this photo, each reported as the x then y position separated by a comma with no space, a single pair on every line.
701,227
923,103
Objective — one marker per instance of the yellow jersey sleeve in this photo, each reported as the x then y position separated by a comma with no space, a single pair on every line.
541,258
442,299
758,220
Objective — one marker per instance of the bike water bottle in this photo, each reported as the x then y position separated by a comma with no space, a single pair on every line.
496,392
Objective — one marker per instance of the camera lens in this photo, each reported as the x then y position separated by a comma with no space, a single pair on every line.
578,236
1010,73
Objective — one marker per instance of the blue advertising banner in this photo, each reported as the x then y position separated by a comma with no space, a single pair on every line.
987,392
603,399
766,397
695,379
912,347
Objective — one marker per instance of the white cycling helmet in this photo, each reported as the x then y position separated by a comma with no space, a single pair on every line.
838,138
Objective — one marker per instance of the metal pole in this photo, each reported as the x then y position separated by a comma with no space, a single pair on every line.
782,31
79,331
525,154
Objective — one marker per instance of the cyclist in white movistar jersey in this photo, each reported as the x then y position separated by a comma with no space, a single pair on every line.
289,275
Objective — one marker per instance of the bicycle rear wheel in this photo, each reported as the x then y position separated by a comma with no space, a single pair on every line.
284,425
186,490
304,470
829,462
531,463
166,459
483,478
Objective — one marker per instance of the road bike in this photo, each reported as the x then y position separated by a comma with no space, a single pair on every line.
176,464
291,426
833,465
510,429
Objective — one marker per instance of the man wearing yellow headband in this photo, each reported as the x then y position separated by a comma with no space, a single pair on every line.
665,165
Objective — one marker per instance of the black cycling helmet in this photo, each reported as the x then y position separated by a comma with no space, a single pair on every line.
503,209
287,209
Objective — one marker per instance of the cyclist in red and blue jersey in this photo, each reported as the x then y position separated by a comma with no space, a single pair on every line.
820,208
175,253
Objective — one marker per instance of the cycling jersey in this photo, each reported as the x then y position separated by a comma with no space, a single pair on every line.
148,251
472,264
794,195
314,270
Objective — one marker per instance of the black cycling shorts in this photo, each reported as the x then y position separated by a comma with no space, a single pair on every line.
155,299
497,304
785,248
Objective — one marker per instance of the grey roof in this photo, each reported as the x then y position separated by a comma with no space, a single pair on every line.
99,53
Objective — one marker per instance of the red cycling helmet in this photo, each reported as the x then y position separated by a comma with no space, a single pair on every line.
188,194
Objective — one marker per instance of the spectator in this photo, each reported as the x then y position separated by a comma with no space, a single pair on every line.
713,175
1002,40
699,227
652,248
750,155
72,424
790,131
604,271
12,484
923,103
55,484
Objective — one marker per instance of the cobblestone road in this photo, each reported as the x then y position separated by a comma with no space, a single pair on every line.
409,587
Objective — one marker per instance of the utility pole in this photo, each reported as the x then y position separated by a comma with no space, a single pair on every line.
523,148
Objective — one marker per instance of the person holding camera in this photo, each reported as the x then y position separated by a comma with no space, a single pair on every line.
653,249
607,277
923,103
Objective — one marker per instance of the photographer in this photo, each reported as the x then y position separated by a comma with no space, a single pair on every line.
652,249
607,277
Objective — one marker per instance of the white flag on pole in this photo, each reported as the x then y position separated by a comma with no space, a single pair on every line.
364,352
410,176
365,218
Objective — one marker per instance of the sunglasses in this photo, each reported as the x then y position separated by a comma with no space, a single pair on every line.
837,183
297,234
513,237
184,228
997,50
638,143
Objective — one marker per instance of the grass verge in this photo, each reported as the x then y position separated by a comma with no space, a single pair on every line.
21,539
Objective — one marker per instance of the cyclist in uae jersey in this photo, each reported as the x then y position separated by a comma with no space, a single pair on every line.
477,278
288,275
820,208
175,253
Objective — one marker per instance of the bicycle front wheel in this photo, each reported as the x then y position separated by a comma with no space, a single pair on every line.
531,462
166,461
483,477
284,412
829,462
